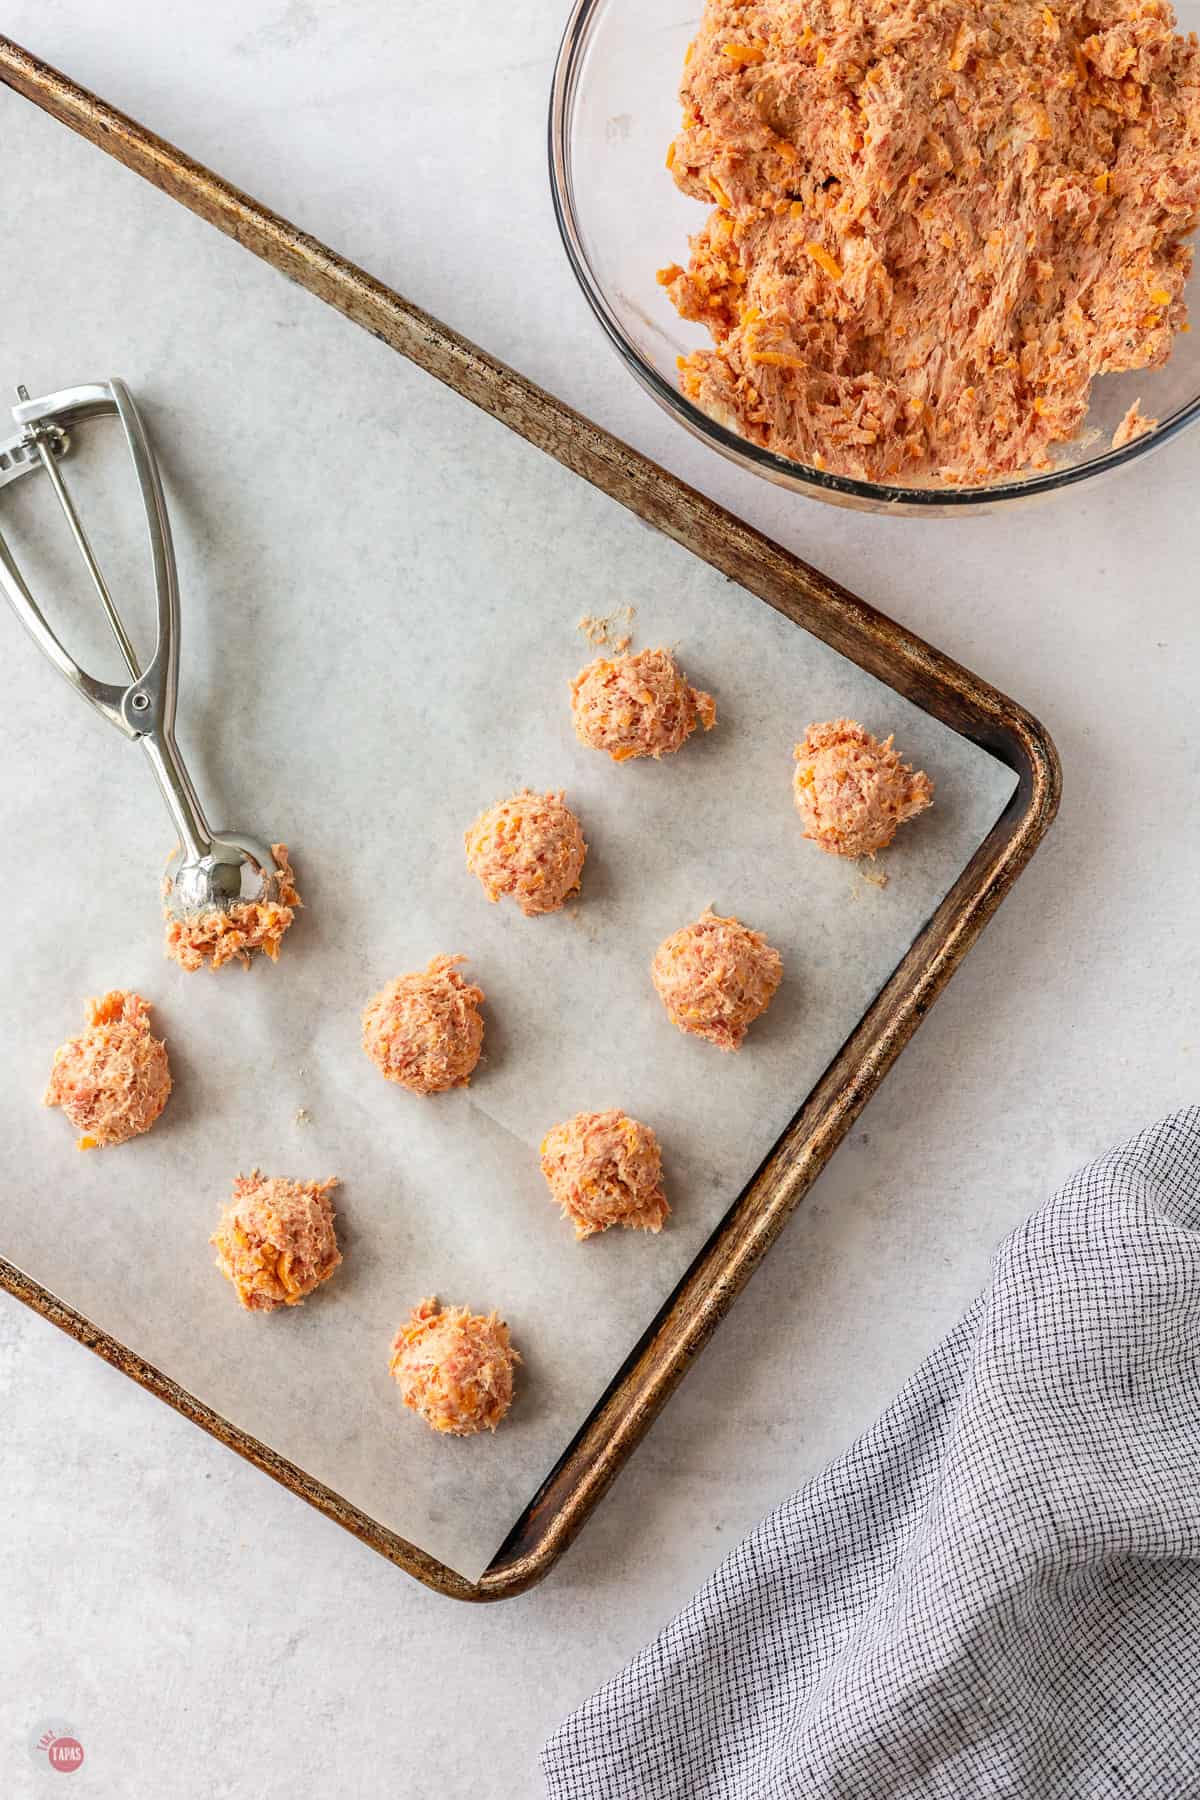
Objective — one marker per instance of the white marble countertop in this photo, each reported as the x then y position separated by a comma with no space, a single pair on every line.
148,1579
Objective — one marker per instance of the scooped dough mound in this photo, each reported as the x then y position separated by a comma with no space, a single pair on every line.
424,1030
715,977
454,1368
605,1169
276,1241
529,847
638,705
113,1081
936,222
218,936
852,791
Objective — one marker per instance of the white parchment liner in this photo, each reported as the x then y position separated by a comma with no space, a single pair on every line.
380,592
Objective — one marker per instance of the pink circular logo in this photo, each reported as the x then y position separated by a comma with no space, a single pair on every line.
65,1754
53,1745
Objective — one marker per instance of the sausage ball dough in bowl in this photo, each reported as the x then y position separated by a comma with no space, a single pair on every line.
934,223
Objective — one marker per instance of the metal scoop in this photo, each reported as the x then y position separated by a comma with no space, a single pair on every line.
209,870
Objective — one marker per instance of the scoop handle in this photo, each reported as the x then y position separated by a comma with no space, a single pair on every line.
175,786
145,709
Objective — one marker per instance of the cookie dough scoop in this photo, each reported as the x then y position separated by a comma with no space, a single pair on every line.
213,876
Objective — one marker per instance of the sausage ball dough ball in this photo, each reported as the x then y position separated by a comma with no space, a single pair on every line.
454,1368
275,1241
605,1169
424,1030
852,791
113,1080
529,847
638,706
715,977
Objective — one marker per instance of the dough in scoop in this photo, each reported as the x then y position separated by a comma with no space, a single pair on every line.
221,936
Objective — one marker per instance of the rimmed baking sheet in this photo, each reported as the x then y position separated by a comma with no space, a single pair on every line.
380,594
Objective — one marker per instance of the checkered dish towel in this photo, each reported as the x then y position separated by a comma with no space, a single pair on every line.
997,1590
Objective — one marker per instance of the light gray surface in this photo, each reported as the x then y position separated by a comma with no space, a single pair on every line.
208,1635
377,644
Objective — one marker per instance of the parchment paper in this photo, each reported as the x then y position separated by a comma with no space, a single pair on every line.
380,595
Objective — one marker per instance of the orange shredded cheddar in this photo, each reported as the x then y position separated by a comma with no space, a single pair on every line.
823,260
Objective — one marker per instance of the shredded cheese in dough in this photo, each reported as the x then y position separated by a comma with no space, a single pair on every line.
854,791
529,848
424,1030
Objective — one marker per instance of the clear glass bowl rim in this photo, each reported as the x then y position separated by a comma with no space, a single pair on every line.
779,469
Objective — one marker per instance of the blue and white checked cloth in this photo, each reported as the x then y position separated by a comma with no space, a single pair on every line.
997,1591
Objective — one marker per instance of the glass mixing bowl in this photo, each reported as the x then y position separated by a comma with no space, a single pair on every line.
614,109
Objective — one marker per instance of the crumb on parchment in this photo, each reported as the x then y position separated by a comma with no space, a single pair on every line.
605,632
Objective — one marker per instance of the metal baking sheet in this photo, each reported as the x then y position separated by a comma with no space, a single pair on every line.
380,593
